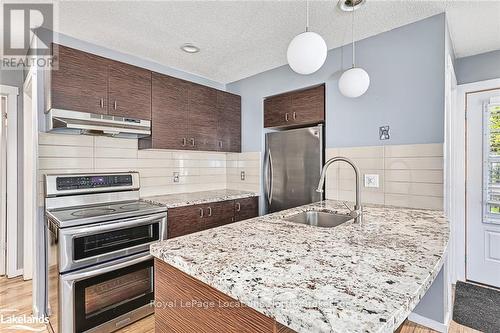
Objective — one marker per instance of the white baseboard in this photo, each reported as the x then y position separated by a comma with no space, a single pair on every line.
430,323
16,273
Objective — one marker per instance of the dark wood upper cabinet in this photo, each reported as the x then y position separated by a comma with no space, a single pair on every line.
184,115
79,81
228,122
308,106
202,117
129,91
169,120
276,110
304,107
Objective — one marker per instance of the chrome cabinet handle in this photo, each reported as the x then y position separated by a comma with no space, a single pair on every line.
192,141
294,115
209,211
238,207
286,116
184,142
101,103
115,104
201,212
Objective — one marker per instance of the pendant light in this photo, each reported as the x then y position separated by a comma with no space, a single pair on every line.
355,81
307,51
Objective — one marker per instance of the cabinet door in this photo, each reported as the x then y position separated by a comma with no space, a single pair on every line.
79,81
246,208
218,213
228,122
277,111
184,220
202,119
129,91
169,112
308,106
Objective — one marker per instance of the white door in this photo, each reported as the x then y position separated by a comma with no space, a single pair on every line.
483,187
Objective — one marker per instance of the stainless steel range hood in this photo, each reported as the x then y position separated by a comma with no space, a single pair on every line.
74,122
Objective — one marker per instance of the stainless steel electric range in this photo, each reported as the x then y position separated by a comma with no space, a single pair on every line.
100,273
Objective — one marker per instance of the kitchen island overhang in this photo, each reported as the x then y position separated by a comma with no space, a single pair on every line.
350,278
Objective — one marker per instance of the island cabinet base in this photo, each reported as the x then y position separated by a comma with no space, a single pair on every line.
185,304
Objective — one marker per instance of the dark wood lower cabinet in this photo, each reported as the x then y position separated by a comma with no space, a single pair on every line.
189,219
246,208
178,297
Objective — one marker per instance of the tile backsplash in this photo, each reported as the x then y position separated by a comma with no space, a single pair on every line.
409,175
198,171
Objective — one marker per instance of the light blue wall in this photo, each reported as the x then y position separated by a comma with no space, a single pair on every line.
480,67
406,67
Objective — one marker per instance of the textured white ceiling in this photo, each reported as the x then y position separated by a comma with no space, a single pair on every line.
242,38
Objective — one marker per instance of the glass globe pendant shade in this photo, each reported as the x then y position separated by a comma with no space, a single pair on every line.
354,82
306,53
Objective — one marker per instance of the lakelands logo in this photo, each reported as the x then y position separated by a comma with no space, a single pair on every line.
9,320
27,34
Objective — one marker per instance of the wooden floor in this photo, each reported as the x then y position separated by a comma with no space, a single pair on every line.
15,299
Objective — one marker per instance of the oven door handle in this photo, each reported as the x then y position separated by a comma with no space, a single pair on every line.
90,272
135,222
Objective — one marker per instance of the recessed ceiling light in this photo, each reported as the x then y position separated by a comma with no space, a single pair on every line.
190,48
349,5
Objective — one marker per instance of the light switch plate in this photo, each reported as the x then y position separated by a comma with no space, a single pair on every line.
176,177
242,175
371,180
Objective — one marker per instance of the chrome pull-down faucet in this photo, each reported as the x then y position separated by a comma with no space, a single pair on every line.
356,213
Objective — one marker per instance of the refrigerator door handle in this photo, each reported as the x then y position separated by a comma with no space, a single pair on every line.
269,183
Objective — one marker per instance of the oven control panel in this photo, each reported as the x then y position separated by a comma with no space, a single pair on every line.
88,182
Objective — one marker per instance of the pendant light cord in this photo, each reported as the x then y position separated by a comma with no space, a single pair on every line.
307,15
353,46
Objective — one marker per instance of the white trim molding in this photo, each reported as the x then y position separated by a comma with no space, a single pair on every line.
12,163
424,321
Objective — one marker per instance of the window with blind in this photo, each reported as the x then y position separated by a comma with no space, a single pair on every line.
491,162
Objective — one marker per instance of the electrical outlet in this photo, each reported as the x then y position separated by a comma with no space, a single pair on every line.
242,175
371,180
176,177
383,133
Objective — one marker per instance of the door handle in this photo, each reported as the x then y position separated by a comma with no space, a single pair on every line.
209,211
220,144
192,141
184,142
101,103
201,212
115,104
294,115
286,116
269,184
238,207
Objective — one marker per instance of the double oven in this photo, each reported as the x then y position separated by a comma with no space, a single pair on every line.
100,274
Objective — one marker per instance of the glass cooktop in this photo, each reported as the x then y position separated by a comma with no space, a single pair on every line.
104,212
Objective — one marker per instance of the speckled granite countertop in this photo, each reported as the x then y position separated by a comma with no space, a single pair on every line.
352,278
195,198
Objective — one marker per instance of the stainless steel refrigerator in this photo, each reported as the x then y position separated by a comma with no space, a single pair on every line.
292,167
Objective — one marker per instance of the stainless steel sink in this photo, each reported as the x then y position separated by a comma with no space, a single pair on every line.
320,219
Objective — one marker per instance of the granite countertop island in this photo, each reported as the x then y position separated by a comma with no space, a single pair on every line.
352,278
195,198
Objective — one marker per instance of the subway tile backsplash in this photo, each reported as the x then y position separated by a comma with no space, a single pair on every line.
409,175
198,171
